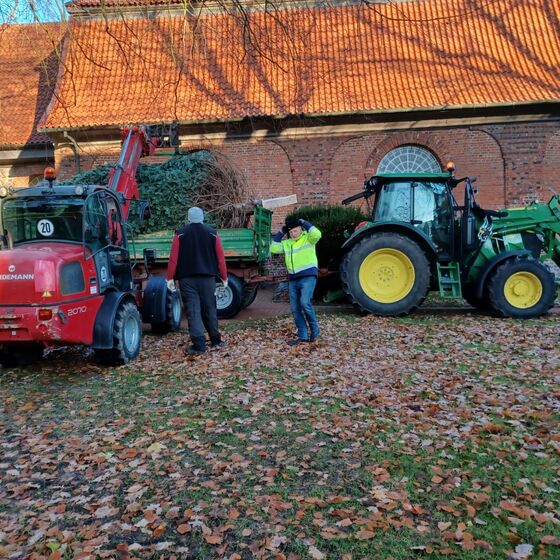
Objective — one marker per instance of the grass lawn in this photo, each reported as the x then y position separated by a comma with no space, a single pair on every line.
431,436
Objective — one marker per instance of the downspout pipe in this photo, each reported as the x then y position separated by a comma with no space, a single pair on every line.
75,148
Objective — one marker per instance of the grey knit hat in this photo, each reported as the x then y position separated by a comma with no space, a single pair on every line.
195,215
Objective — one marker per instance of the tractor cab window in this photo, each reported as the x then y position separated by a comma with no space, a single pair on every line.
394,203
425,205
33,219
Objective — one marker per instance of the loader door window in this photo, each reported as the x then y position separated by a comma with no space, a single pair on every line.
119,258
115,223
95,223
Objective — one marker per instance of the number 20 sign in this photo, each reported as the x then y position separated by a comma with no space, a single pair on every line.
45,228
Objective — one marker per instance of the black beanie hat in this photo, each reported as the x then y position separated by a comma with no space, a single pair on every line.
292,223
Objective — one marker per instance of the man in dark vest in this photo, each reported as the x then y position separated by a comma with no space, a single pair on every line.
197,260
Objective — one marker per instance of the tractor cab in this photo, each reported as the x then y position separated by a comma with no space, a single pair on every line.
425,202
420,201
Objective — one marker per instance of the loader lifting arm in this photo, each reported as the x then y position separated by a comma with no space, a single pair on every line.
136,143
541,219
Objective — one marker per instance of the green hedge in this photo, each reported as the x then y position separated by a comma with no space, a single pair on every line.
336,224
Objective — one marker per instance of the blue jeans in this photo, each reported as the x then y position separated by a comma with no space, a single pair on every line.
301,292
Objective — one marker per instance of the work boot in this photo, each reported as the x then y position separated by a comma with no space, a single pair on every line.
219,344
197,347
194,351
297,341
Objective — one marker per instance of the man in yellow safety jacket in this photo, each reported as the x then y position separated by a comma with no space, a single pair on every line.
301,262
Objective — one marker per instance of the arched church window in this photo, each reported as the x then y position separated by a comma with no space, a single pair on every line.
409,159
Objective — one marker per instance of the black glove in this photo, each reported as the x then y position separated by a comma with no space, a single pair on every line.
285,230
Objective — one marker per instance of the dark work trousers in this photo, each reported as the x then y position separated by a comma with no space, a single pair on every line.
198,295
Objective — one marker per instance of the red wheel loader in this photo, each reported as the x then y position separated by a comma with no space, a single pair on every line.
66,275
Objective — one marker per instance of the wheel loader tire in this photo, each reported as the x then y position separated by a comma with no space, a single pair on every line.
21,355
249,294
522,288
229,301
127,336
173,314
386,274
469,294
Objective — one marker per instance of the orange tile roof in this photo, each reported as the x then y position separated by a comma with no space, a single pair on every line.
120,3
28,69
343,59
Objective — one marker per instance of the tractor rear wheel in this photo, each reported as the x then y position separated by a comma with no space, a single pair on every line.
127,336
386,274
522,288
173,314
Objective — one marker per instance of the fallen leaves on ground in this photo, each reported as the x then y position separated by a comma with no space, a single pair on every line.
433,435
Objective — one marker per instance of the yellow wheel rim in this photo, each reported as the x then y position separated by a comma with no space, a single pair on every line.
523,290
387,275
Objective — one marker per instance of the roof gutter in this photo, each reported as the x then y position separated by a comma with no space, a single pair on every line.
392,111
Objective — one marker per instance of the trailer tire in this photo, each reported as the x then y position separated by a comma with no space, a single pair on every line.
229,301
173,314
521,288
249,294
21,355
127,336
386,274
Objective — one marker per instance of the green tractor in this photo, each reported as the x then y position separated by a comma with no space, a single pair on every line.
420,239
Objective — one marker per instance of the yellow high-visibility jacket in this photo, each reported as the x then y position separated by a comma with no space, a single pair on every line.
299,254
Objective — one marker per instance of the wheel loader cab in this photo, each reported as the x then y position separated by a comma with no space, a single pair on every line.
105,238
425,202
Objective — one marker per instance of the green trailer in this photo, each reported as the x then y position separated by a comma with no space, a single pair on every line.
246,250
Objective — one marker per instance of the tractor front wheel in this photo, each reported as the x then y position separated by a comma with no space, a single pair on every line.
522,288
127,336
386,274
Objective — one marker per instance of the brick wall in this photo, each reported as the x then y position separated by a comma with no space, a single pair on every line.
22,175
531,159
514,163
475,153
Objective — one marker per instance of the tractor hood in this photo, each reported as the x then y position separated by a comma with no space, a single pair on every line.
29,274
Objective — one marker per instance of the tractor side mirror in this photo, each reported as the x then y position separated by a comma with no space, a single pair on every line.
144,211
